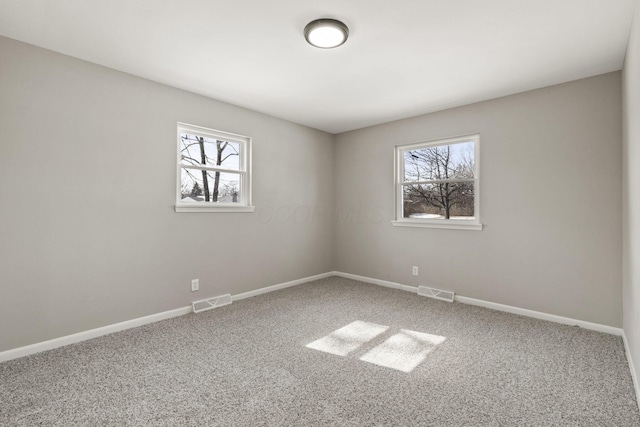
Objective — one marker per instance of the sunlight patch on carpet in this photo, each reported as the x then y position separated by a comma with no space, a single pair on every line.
349,338
403,351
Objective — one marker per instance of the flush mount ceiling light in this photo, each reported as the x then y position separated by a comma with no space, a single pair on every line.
326,33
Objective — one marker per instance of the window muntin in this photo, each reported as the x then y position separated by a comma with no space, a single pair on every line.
214,170
437,183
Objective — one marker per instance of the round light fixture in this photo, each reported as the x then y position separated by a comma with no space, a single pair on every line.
326,33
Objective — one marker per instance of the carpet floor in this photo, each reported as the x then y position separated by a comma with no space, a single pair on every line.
330,352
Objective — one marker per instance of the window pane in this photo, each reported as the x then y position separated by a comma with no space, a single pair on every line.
440,162
439,201
220,187
197,150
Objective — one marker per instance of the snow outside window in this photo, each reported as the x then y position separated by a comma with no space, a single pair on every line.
437,184
214,171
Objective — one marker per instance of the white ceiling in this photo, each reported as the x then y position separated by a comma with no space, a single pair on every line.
403,57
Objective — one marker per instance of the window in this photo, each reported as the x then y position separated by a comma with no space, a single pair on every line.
437,184
214,171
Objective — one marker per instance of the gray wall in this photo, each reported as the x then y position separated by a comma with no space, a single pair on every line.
551,202
631,186
88,231
89,237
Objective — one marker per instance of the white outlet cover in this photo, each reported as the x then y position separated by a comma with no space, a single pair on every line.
195,285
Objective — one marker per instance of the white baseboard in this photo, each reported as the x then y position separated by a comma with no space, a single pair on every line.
280,286
634,377
91,333
540,315
97,332
378,282
494,306
117,327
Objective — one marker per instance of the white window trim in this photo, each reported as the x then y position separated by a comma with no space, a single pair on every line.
452,224
245,172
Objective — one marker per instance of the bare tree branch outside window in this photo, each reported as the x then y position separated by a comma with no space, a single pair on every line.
439,181
207,152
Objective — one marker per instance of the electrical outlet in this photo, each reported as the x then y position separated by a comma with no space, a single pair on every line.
414,270
195,285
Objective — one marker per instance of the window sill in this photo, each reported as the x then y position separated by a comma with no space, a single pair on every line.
191,208
448,225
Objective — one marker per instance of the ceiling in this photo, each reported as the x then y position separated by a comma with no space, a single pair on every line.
403,57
